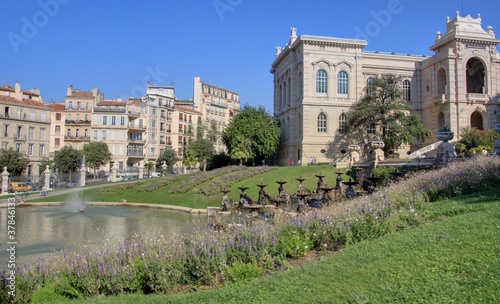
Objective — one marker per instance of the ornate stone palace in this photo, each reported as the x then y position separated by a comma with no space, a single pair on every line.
317,79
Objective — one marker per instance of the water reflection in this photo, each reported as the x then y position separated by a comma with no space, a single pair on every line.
46,231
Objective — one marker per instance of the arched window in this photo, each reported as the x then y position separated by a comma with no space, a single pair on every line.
441,120
280,96
475,76
476,120
321,82
322,123
441,81
370,90
342,124
289,94
284,94
406,90
342,84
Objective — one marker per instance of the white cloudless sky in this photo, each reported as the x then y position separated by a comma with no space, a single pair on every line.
120,45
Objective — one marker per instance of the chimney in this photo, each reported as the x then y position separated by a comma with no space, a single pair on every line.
18,94
70,90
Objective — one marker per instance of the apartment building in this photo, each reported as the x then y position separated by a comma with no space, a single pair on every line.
217,107
78,115
25,122
317,79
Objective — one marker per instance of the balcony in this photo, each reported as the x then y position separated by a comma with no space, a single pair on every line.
76,138
134,114
25,117
102,109
137,140
439,99
477,98
136,153
78,122
136,126
19,137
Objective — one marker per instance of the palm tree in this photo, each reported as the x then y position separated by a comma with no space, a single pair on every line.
241,149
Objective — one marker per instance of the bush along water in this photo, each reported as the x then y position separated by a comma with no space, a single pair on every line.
210,258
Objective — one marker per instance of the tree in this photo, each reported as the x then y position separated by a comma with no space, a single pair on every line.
385,114
149,166
44,162
203,149
474,140
189,159
241,149
68,159
14,160
96,154
200,130
213,133
169,156
255,124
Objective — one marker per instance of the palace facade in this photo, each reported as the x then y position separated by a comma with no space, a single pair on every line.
317,79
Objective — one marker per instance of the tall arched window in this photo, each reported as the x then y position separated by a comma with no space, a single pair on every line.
342,124
441,120
475,76
370,90
406,90
289,94
280,96
322,123
342,84
476,120
284,94
441,81
321,82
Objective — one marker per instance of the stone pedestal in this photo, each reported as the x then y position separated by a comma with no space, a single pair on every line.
5,181
445,150
114,170
46,182
141,171
164,168
354,158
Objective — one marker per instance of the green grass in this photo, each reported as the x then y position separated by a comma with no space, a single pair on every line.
192,199
454,258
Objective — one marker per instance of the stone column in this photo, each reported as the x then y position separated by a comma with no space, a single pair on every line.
82,176
141,170
46,182
5,181
114,170
164,168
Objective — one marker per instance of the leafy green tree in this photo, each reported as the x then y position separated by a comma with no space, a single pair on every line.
213,133
68,159
14,160
384,113
203,150
44,162
169,156
189,159
190,131
473,140
96,154
149,166
200,130
241,149
255,124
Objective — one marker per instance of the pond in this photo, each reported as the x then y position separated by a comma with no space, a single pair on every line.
49,231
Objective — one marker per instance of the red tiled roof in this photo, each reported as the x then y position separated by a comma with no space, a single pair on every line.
112,103
177,107
57,107
7,88
82,94
26,102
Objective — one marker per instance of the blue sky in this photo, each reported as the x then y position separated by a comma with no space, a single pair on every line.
118,46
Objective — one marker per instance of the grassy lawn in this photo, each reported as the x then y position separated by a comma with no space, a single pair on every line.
453,258
192,198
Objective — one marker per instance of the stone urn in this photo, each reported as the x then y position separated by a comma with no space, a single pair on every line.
377,144
354,147
445,135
